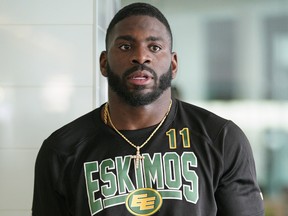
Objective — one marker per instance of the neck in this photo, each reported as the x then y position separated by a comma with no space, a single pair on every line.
126,117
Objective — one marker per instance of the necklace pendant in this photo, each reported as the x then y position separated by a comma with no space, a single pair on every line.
137,157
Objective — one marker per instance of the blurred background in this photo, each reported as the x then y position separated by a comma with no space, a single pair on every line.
233,60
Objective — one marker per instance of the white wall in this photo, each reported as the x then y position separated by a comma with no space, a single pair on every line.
48,77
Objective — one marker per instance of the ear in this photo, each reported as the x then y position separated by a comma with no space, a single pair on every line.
174,64
103,63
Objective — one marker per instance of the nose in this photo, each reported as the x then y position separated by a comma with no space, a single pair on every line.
141,56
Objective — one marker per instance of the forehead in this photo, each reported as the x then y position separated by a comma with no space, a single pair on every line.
140,26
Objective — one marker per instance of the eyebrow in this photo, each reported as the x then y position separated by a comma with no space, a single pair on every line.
130,38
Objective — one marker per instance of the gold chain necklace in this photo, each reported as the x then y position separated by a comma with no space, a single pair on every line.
138,156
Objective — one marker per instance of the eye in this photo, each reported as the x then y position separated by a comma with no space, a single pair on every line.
155,48
125,47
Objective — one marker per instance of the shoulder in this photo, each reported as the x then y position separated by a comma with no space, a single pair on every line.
201,121
66,138
198,113
222,134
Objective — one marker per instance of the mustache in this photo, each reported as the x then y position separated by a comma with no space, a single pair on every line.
139,67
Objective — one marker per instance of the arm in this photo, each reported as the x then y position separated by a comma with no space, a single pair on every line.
48,197
238,192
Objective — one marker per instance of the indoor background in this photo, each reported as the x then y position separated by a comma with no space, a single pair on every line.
233,60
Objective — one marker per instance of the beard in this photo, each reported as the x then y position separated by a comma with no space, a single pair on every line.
136,97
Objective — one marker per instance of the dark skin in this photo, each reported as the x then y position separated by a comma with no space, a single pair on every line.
138,40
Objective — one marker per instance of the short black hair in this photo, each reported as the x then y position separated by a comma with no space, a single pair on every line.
138,9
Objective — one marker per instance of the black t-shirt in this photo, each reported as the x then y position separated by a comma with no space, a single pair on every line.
197,164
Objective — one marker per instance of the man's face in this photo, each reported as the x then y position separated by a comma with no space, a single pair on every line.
138,63
136,97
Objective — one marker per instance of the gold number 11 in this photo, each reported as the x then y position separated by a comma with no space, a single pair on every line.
185,138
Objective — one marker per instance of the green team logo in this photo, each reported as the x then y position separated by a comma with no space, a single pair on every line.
143,201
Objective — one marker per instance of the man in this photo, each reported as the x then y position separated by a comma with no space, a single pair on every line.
143,152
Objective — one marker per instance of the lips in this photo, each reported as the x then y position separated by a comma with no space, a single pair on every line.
140,78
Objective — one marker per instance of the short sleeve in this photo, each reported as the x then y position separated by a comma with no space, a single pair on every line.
238,193
48,199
